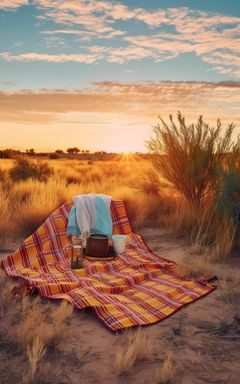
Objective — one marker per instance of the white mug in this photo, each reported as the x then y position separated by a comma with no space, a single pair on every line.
119,243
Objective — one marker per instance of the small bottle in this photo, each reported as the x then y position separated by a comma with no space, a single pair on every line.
77,253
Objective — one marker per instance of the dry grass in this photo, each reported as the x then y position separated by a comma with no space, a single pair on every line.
205,231
6,288
224,240
35,352
43,322
166,374
41,329
136,347
24,205
32,328
199,267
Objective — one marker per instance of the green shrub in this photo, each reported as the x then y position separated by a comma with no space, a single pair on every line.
227,190
25,169
188,156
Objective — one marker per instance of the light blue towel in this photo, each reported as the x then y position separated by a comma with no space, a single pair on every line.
103,218
103,222
72,228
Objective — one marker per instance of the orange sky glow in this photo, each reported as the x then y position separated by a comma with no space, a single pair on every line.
113,117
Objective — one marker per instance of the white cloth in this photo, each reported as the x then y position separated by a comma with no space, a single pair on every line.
86,211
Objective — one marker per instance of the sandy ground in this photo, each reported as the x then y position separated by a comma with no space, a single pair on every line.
202,338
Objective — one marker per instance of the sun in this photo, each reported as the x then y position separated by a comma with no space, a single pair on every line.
127,157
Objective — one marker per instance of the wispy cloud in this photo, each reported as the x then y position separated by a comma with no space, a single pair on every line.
55,42
213,37
225,62
145,101
12,4
83,35
57,58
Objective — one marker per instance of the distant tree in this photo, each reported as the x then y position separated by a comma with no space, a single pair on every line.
30,152
73,150
59,151
9,153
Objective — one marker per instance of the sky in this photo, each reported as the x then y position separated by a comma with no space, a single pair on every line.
97,74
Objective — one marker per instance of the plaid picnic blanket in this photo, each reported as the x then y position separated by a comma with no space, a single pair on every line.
137,288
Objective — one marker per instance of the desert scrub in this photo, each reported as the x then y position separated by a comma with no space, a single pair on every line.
201,163
188,156
25,169
227,199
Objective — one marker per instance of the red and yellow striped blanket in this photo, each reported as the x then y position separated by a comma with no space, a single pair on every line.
137,288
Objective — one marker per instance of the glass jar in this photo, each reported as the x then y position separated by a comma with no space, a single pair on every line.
76,253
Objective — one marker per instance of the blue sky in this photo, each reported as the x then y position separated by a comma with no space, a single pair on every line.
47,45
74,47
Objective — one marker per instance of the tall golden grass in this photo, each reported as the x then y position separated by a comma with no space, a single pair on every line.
25,204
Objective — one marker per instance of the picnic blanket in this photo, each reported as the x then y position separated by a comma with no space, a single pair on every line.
137,288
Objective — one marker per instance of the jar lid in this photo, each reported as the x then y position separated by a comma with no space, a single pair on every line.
76,240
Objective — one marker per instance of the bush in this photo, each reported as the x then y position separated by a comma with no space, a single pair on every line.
188,156
24,169
9,153
227,190
149,183
53,156
73,180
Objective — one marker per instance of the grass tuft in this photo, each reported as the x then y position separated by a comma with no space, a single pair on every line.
165,374
138,347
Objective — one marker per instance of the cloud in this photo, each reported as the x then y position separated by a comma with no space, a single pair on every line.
85,35
12,4
213,37
57,58
55,42
8,83
143,101
226,62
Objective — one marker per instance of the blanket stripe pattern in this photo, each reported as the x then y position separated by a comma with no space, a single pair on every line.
137,288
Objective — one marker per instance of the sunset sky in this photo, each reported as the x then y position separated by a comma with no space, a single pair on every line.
96,74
